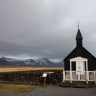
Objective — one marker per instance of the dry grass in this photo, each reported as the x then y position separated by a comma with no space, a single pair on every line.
13,69
16,88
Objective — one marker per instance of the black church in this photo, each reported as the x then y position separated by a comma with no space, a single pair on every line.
80,53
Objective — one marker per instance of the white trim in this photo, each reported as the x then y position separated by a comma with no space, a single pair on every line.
78,59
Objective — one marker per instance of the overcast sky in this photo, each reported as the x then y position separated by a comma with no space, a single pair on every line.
45,28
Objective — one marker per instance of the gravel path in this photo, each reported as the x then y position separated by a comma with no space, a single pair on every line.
57,91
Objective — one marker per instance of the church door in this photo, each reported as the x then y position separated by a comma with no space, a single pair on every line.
80,68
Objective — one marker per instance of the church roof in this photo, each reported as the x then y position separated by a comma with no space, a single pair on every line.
79,51
79,35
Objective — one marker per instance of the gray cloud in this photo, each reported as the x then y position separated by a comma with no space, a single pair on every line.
45,28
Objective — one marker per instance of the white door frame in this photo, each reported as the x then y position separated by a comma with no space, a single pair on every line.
78,59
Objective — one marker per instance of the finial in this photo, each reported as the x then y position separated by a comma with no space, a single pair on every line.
78,24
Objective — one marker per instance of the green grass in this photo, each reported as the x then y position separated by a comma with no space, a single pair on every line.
12,88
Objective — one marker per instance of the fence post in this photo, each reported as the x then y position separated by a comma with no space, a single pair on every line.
63,76
87,77
95,76
70,76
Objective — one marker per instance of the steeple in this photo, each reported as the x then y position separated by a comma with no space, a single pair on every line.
79,38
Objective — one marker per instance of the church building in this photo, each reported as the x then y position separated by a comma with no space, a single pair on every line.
79,61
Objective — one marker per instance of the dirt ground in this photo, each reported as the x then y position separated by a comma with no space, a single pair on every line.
57,91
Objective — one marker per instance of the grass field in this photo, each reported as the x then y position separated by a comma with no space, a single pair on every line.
12,69
12,88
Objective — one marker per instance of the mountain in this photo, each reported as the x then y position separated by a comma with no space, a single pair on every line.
42,62
3,61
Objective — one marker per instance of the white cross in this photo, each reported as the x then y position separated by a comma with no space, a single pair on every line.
78,24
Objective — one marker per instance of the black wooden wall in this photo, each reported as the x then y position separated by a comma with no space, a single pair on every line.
80,51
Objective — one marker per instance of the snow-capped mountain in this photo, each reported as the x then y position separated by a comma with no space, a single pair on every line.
44,62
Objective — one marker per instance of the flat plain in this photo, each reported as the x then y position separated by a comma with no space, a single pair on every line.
13,69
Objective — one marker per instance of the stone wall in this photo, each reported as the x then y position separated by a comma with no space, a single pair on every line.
31,77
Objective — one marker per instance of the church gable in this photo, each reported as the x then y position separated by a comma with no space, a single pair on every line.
80,51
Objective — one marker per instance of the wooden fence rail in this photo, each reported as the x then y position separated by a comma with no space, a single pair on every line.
79,76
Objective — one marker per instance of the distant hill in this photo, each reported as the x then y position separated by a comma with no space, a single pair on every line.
42,62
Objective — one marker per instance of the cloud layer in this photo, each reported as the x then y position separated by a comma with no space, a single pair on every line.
45,28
